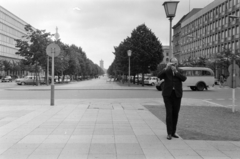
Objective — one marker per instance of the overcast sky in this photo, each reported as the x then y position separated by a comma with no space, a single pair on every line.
98,25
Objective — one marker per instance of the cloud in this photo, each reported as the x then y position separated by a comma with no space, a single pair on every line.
76,8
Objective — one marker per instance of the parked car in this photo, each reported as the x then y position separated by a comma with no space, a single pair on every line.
29,80
150,81
7,79
198,78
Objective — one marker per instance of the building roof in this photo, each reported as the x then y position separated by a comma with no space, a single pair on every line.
203,11
165,47
188,15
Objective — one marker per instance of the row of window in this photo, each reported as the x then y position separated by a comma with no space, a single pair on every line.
203,44
213,13
197,73
7,39
210,52
10,30
11,20
7,50
225,32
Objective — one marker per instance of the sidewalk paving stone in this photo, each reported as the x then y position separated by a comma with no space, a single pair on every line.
97,129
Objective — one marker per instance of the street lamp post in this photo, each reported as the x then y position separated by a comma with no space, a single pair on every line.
233,82
170,9
129,52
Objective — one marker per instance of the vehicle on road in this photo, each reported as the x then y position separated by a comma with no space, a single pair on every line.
7,79
198,78
29,80
150,81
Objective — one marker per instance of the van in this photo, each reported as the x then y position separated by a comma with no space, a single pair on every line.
198,78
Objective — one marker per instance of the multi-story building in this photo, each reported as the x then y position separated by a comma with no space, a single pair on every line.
177,33
211,30
11,27
165,54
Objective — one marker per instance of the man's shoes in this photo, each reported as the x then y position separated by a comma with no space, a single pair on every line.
175,136
169,137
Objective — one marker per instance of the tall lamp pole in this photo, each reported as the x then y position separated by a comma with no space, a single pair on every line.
129,52
170,9
233,82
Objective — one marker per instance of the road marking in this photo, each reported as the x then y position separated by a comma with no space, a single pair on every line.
220,99
213,103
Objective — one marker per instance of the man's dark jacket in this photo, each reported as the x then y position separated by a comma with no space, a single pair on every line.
172,81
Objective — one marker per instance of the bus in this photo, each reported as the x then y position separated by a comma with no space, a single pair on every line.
198,78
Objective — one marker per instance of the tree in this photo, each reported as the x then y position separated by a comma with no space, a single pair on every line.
33,47
146,50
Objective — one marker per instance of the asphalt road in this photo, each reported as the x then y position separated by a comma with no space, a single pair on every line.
100,89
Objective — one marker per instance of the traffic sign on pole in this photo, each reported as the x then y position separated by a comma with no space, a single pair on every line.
53,50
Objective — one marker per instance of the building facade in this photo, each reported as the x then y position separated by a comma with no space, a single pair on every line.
177,33
102,64
165,54
210,30
11,27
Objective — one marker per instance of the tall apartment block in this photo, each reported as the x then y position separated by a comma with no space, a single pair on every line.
207,31
11,27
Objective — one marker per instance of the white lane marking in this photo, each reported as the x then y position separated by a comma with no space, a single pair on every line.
220,99
213,103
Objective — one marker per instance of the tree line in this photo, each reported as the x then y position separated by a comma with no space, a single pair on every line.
72,60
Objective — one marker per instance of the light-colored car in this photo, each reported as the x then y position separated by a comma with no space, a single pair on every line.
198,78
150,81
29,80
7,79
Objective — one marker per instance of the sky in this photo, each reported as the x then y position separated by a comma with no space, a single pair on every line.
97,26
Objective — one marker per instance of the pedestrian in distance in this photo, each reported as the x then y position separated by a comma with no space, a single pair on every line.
172,95
221,80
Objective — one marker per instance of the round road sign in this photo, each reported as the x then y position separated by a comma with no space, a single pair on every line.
53,49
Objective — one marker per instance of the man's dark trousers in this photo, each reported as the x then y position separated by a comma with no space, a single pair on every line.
172,104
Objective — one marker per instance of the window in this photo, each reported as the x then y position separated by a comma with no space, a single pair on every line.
206,73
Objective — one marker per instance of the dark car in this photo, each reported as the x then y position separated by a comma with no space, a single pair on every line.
7,79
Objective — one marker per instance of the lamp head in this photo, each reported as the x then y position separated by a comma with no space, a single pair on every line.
129,52
170,8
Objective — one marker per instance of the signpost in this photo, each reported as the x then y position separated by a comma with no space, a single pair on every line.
53,50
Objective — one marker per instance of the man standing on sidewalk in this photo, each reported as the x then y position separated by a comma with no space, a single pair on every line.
172,95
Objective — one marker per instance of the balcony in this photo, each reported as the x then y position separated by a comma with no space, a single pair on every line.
206,22
200,24
219,28
216,16
229,38
216,42
223,13
222,40
230,9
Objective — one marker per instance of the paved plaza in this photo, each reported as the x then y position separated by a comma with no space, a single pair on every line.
99,128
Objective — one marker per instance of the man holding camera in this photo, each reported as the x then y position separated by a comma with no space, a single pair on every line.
172,95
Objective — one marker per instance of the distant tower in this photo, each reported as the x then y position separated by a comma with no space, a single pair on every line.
101,64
